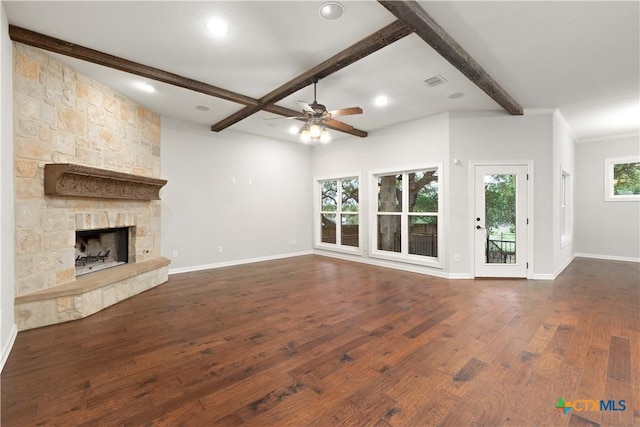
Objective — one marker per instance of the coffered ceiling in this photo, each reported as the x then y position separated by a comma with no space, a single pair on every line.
580,57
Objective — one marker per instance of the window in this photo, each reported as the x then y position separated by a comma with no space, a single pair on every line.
407,216
339,213
622,179
565,208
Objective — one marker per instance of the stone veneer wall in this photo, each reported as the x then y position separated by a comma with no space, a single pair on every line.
61,116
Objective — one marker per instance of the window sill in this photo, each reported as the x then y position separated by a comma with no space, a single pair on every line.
408,259
352,250
629,198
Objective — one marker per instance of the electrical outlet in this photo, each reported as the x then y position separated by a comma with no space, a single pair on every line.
294,242
175,254
456,258
233,181
220,249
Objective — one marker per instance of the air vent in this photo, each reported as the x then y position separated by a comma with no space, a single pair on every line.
435,80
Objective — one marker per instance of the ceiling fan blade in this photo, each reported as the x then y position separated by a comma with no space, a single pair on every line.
286,118
306,107
337,125
346,111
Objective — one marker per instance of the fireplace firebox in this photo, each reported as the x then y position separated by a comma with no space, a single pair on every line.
100,249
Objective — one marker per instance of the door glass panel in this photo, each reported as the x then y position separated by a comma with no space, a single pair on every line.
500,218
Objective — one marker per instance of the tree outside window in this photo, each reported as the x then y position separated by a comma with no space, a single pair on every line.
339,212
622,179
407,212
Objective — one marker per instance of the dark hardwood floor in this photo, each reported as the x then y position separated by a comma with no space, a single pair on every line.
317,341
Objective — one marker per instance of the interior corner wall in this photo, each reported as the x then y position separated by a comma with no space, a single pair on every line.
609,230
405,146
232,197
563,161
7,275
500,137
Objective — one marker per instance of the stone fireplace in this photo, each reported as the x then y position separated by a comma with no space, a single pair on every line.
86,160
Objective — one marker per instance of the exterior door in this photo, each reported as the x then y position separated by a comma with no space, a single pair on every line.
500,220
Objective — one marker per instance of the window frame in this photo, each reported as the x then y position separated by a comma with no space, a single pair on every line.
337,247
566,208
609,164
405,215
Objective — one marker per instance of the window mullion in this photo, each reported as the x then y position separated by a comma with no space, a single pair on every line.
404,220
339,213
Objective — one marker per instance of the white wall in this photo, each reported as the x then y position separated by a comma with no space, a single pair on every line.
7,323
563,160
501,137
604,229
202,208
482,136
405,146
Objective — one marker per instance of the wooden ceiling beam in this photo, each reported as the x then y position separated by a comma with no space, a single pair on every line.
62,47
412,14
370,44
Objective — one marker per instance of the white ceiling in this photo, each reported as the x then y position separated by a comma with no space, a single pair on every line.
580,57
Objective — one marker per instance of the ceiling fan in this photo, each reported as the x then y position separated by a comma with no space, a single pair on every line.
317,119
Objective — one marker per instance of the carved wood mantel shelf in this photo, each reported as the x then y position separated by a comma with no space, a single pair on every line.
68,179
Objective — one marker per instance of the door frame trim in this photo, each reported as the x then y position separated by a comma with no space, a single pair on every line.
471,211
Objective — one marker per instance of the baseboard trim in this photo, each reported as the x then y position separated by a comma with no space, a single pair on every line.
543,277
236,262
563,266
608,257
6,349
390,264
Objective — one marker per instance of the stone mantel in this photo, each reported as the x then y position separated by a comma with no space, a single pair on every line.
68,179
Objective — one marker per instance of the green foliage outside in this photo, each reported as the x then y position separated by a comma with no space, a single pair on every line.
626,178
349,200
500,203
423,193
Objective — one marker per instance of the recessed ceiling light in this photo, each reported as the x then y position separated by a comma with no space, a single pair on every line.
380,100
331,11
202,108
217,27
456,95
146,87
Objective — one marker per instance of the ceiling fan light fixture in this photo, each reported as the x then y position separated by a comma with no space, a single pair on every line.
314,131
331,11
305,137
325,136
